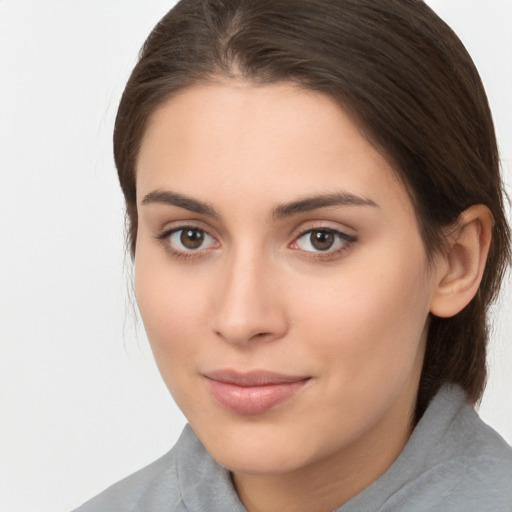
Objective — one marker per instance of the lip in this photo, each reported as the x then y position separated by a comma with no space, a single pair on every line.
252,392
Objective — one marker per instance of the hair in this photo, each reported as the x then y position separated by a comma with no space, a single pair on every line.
404,77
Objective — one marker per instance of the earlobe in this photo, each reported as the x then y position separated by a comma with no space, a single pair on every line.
460,270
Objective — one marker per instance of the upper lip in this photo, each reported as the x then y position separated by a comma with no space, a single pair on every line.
252,378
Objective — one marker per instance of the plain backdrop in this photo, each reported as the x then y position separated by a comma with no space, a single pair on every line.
81,402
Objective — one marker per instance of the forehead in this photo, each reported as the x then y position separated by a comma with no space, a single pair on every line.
275,142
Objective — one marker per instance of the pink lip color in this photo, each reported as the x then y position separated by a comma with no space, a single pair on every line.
254,392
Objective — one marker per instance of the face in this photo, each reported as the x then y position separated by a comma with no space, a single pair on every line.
281,277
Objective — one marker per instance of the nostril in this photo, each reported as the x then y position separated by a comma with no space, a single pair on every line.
261,334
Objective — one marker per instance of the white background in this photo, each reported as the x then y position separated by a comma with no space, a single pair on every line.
81,403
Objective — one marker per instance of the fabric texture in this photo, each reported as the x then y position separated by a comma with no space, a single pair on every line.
453,462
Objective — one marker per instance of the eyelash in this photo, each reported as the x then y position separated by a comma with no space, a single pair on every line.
164,239
346,239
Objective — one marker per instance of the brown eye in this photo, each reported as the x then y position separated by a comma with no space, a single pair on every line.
192,238
322,240
188,239
325,240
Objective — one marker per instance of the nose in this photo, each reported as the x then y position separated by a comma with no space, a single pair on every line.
248,304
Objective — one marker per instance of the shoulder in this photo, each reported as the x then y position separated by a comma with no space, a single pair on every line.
453,462
466,465
481,465
153,488
186,478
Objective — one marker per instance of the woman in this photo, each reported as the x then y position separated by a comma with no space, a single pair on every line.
316,219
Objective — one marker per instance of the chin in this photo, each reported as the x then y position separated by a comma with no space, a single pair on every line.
259,462
257,451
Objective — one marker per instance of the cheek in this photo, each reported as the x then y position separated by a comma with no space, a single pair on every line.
170,309
171,322
370,320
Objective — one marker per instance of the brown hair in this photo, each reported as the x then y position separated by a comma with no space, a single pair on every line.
406,79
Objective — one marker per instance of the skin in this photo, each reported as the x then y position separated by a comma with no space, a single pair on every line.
257,294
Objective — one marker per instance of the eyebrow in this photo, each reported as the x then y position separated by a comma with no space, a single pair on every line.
309,204
284,210
181,201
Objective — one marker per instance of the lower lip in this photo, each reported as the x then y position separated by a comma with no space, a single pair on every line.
253,399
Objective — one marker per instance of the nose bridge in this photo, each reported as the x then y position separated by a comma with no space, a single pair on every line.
247,304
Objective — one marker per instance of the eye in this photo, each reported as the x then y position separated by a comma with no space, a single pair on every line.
186,240
323,241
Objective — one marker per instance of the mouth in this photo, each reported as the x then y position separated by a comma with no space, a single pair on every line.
253,392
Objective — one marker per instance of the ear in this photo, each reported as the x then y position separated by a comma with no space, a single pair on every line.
459,270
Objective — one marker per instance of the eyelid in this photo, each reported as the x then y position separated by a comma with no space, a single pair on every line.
163,237
320,225
341,233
